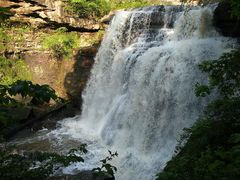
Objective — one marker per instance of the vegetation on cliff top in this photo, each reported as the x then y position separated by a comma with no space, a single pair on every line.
61,43
99,8
89,9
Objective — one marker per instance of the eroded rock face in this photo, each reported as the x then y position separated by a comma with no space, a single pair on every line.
225,22
48,13
67,76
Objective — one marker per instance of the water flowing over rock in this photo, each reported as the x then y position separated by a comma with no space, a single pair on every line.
140,95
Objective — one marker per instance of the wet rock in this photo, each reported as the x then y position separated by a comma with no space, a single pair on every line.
157,17
225,22
107,18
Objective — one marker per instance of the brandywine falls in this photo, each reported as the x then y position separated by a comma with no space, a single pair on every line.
140,94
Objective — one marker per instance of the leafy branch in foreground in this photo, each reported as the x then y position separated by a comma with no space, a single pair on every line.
224,75
36,165
39,94
35,94
41,165
106,168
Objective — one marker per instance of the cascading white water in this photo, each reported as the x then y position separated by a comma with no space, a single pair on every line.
140,95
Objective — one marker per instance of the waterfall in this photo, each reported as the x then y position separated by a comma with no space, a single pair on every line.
141,91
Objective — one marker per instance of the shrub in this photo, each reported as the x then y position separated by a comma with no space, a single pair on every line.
12,36
38,95
89,8
117,4
41,165
4,14
4,39
12,70
36,165
61,43
106,168
126,4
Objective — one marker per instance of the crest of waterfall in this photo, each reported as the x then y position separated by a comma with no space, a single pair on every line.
141,91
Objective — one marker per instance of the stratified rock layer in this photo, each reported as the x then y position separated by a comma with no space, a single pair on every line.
48,13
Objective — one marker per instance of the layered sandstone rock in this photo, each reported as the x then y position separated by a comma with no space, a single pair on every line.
48,13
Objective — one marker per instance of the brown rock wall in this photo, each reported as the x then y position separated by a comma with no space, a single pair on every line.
68,77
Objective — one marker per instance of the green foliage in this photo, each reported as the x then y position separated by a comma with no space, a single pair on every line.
212,149
36,165
40,165
224,75
106,168
125,4
12,37
5,99
39,94
61,43
235,4
4,14
98,8
89,8
12,70
4,39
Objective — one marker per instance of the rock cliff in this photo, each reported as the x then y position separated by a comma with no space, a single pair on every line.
67,76
48,13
